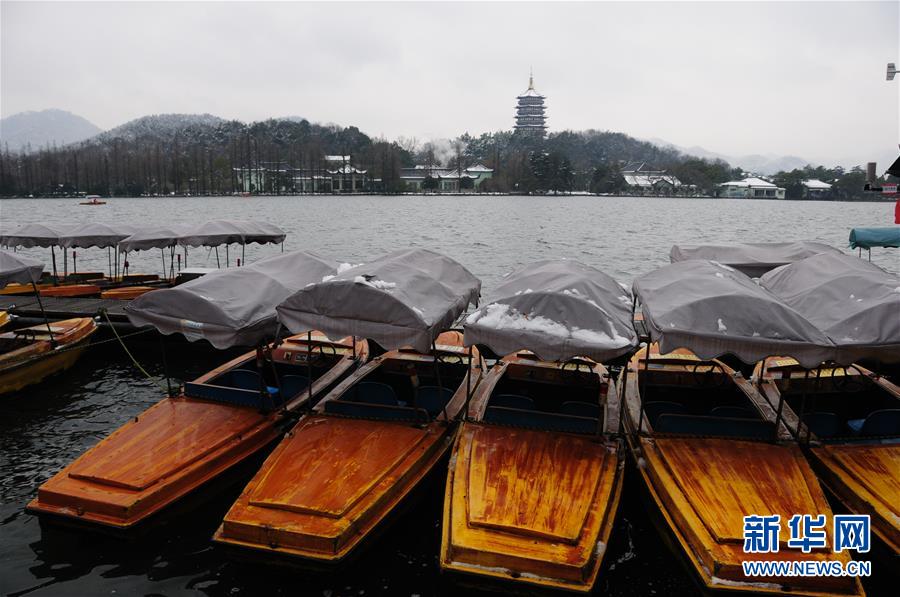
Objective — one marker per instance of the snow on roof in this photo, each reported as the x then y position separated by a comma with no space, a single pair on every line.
337,158
752,182
648,180
479,168
814,183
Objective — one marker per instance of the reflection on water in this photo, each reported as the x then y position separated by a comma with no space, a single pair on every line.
45,427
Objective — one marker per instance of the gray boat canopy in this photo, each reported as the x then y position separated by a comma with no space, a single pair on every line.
152,238
714,310
16,268
32,235
226,232
854,302
405,298
230,307
557,309
95,234
753,259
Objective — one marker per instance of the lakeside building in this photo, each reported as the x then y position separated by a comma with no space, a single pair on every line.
644,180
531,113
336,175
750,188
445,180
816,189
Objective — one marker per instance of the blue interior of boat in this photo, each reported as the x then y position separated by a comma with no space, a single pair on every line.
714,426
401,390
433,398
241,386
824,424
532,419
380,412
881,422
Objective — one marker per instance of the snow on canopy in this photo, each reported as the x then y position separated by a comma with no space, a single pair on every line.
32,235
230,307
404,298
854,302
714,310
95,234
753,259
16,268
225,232
557,309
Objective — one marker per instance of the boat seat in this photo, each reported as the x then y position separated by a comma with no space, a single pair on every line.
580,409
733,412
512,401
433,398
378,412
238,386
654,409
881,422
292,385
714,426
372,392
823,424
532,419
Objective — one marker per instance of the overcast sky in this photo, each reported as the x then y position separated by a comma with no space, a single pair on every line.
804,79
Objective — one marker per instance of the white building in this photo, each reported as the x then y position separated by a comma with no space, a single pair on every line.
815,189
641,178
750,188
444,179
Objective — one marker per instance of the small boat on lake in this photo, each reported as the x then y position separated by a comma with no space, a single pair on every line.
845,415
220,420
29,355
351,463
537,471
93,200
709,447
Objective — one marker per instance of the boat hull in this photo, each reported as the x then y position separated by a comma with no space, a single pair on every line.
703,487
33,364
169,451
531,508
332,483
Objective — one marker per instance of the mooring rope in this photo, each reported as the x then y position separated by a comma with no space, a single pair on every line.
128,352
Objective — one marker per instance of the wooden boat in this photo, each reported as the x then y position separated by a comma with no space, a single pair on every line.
536,472
182,443
704,441
349,464
4,318
72,290
848,419
28,355
126,292
535,476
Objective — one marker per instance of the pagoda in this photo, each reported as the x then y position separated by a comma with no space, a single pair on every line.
531,114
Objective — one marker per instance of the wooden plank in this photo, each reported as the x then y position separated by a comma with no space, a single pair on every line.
532,482
330,464
162,441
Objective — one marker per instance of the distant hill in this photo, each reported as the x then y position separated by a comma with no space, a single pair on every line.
160,125
759,164
38,129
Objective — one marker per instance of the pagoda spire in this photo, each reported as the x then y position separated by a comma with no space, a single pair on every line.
531,113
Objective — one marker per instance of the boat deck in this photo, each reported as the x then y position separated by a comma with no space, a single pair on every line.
64,307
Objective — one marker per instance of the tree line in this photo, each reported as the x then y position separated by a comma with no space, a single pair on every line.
205,155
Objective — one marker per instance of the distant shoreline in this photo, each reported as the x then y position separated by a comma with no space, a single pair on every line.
874,199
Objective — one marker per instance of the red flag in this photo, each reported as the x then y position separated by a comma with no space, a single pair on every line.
897,212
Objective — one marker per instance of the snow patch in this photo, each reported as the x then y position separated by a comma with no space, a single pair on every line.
723,266
345,266
379,284
721,325
503,317
734,583
720,275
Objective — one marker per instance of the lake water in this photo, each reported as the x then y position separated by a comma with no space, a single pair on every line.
47,426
